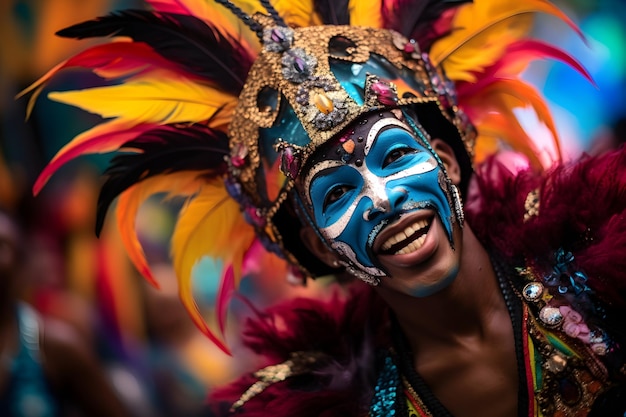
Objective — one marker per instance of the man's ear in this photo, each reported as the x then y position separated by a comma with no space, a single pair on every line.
446,154
317,247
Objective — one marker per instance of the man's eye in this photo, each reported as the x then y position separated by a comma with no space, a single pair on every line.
335,194
396,154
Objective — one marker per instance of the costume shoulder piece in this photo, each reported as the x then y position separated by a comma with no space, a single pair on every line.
321,357
564,233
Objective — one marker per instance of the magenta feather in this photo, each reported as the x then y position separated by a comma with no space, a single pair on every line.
524,51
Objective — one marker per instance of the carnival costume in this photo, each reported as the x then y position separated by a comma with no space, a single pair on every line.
232,118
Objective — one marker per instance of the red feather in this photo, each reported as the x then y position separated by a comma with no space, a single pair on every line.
520,53
101,139
170,6
224,295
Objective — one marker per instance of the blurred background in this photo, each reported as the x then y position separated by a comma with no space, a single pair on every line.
147,348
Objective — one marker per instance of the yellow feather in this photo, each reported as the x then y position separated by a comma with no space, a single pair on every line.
481,32
159,97
297,13
365,13
185,183
210,225
224,20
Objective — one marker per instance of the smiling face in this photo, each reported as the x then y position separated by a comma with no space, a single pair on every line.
376,195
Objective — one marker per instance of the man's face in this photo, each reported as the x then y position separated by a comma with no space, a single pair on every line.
380,199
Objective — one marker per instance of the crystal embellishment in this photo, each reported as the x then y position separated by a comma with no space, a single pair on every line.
532,291
551,316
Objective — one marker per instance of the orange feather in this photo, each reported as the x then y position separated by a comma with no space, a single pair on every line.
183,183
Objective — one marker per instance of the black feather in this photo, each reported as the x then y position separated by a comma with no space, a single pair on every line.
163,150
413,18
186,40
333,12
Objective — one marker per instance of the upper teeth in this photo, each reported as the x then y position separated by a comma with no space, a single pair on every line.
405,234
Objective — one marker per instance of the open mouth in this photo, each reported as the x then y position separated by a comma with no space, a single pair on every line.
408,240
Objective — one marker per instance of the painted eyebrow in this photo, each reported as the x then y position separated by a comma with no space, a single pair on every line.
378,126
316,170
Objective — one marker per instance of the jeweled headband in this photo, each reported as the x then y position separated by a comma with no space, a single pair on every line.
307,85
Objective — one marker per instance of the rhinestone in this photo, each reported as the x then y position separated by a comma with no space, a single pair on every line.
385,94
532,291
556,363
570,391
551,316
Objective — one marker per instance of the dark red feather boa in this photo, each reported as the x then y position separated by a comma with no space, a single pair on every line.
581,209
347,328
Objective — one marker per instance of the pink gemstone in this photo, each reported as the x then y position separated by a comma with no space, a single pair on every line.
253,215
571,329
238,161
409,48
290,163
238,158
386,95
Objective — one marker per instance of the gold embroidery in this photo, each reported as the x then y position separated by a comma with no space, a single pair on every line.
531,205
298,364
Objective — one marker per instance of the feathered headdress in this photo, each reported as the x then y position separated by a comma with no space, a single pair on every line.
223,104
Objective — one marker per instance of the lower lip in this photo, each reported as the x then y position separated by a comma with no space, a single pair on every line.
421,254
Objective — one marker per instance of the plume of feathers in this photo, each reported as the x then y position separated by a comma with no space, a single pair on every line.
344,329
414,19
186,40
163,150
484,54
594,232
171,77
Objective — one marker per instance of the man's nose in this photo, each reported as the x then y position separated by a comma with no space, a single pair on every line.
383,200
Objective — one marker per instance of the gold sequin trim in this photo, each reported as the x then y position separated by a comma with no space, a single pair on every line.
298,364
531,205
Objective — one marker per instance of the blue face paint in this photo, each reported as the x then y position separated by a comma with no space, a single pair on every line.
351,202
422,291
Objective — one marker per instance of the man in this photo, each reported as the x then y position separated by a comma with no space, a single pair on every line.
343,149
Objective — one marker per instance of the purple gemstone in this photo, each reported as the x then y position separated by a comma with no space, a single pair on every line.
298,64
277,36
